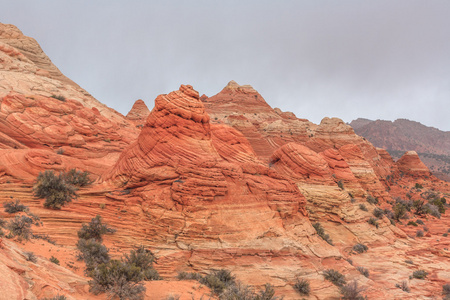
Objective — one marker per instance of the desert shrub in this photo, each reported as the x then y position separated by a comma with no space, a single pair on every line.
419,207
44,237
419,233
94,230
439,204
363,271
412,223
445,234
446,291
59,97
372,200
373,221
408,261
54,260
378,213
57,297
241,291
218,280
189,276
419,221
352,291
2,222
302,286
340,184
360,248
142,258
267,293
335,277
20,226
400,211
418,186
403,286
420,274
77,178
172,297
29,256
321,232
54,188
432,210
425,228
118,279
363,207
12,207
93,253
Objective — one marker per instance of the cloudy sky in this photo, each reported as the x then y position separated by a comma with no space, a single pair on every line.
348,58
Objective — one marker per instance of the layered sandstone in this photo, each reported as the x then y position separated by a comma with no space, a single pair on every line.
138,113
208,183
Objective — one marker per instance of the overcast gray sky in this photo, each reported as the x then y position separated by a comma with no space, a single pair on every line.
348,59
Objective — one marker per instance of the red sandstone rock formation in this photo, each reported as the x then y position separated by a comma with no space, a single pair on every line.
411,164
236,190
138,113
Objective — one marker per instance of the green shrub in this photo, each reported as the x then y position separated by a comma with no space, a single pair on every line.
12,207
360,248
29,256
20,226
189,276
446,291
400,211
363,207
420,274
378,213
93,253
59,97
321,232
218,280
302,286
77,178
94,230
403,286
57,297
372,200
54,188
412,223
143,258
418,186
335,277
373,221
352,291
363,271
118,279
54,260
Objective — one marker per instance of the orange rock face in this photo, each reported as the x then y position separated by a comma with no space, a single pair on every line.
207,183
138,113
411,164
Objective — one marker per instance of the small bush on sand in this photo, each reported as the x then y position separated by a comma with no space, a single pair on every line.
55,189
321,232
335,277
360,248
94,230
352,291
12,207
302,286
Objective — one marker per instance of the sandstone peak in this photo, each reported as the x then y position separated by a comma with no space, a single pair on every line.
411,164
138,113
233,85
